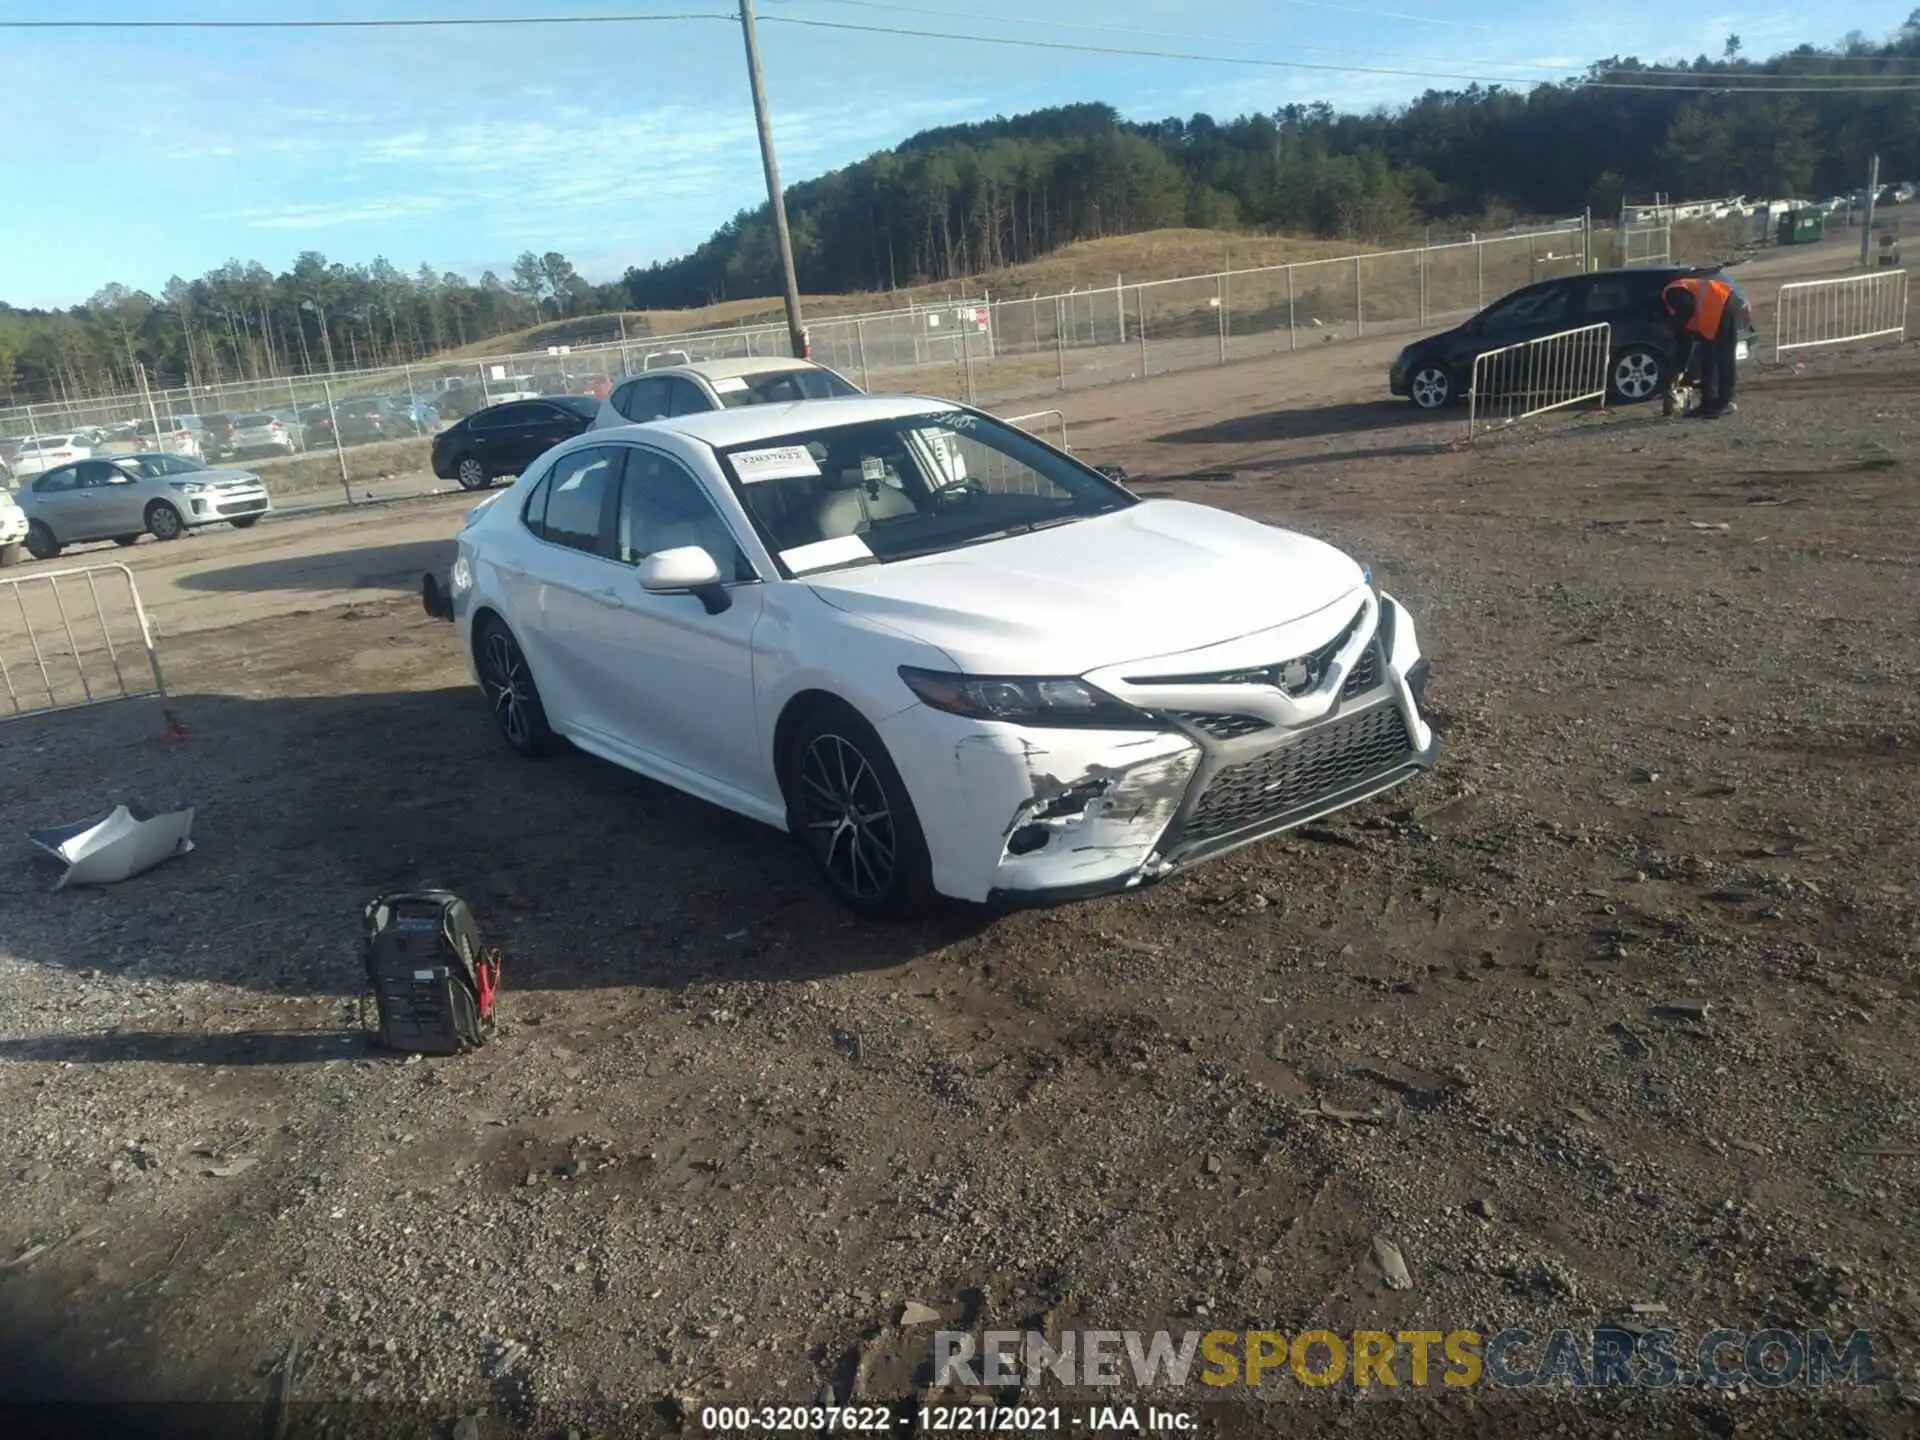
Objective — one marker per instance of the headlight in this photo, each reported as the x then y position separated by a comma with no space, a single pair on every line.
191,487
1020,699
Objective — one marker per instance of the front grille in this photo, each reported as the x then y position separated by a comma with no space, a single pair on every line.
1365,673
1219,724
1325,761
241,507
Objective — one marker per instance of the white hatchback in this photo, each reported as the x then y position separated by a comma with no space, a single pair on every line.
949,657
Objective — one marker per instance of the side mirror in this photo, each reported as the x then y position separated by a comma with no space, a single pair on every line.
685,570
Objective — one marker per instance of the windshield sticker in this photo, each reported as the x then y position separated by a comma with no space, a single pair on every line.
782,462
732,385
823,554
873,468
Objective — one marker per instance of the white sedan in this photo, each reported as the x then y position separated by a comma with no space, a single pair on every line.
949,657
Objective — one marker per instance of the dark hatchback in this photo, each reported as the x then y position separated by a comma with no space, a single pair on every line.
505,439
1437,371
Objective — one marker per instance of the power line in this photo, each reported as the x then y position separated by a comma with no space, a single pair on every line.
385,23
1711,87
1086,28
1170,34
1723,85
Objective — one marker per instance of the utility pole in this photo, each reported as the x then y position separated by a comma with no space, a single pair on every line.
1866,231
795,332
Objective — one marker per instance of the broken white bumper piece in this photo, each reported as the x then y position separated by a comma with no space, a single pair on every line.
116,846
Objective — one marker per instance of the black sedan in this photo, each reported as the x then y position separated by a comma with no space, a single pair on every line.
505,439
1437,371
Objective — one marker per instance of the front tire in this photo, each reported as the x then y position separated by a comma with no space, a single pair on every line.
164,522
471,474
850,809
1431,387
518,713
244,522
42,543
1638,373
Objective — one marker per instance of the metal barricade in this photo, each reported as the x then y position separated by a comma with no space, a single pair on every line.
60,640
1815,313
1053,415
1517,382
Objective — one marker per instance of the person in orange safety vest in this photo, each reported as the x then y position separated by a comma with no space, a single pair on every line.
1705,311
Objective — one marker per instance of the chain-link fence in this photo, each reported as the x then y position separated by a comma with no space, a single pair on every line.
366,433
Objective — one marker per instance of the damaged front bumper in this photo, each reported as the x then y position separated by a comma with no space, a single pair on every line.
1030,816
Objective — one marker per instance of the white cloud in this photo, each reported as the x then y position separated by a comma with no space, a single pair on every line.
325,216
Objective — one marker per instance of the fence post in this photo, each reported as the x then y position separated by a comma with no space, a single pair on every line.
749,335
1359,303
1480,274
860,340
1220,315
1533,264
1140,304
966,358
1119,308
152,413
1060,339
986,309
1293,335
326,388
1423,286
293,402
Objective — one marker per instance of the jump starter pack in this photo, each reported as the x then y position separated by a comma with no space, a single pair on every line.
433,985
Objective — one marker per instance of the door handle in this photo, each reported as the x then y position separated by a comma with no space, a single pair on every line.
610,598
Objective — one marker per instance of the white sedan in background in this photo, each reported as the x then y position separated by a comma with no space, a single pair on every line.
949,657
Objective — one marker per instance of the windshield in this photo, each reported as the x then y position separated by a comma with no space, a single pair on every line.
917,485
254,422
585,406
774,387
152,467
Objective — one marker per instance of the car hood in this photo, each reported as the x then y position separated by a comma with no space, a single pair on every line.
1155,579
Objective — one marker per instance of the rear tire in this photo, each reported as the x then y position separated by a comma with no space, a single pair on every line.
42,543
507,680
471,474
126,540
850,809
164,522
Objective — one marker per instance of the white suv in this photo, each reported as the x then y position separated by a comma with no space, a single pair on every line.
705,385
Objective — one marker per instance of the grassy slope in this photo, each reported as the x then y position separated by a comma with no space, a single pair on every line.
1151,255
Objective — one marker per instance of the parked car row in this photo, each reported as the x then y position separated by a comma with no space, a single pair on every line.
503,438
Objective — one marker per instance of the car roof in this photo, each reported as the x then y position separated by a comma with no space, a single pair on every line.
731,369
723,429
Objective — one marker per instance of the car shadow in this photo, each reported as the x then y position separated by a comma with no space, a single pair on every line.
307,807
1319,422
374,567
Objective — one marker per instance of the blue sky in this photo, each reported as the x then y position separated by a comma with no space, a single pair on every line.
620,144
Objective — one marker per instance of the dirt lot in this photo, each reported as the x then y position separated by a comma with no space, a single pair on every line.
1615,1009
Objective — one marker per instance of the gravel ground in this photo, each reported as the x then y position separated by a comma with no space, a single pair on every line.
1615,1009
